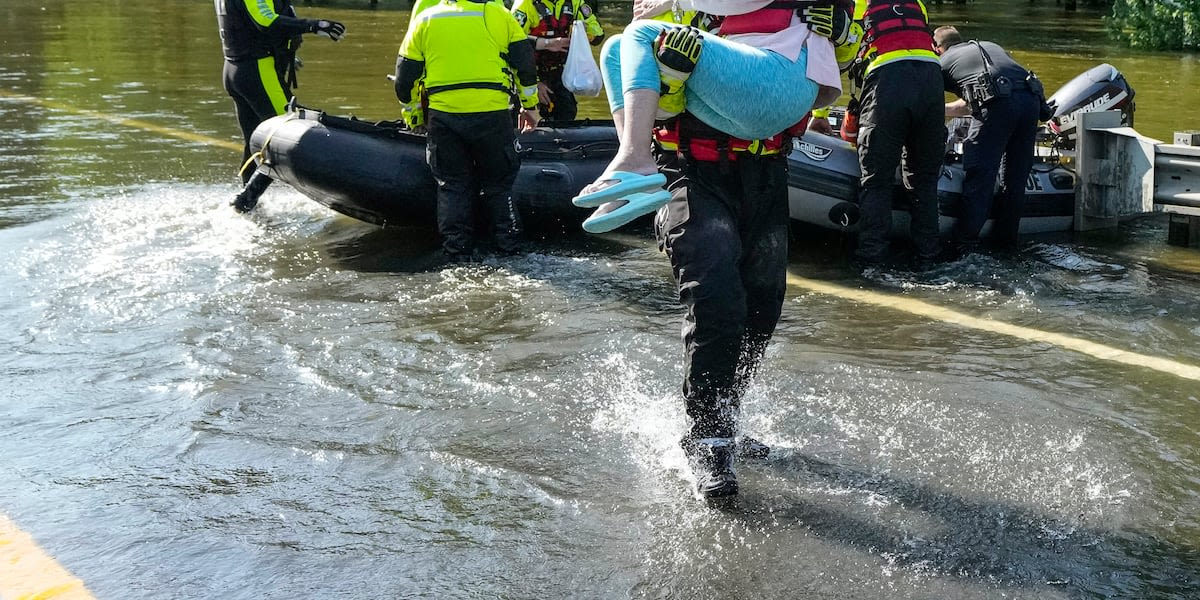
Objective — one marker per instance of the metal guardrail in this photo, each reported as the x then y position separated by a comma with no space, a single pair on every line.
1122,173
1177,176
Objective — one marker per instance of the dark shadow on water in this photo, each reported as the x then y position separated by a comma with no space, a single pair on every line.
973,539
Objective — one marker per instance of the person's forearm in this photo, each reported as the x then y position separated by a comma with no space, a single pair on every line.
520,57
408,71
958,108
645,9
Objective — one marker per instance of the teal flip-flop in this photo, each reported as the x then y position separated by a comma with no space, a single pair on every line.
626,183
612,215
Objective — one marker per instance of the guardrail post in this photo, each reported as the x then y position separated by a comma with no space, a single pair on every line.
1187,138
1115,172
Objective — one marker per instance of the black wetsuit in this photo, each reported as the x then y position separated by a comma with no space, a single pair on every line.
1004,130
258,72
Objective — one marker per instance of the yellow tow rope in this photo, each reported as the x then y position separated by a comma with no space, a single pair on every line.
257,155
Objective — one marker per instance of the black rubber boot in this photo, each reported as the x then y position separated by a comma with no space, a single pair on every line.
247,199
748,447
711,460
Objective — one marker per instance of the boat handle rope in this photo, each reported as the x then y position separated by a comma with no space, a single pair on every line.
257,155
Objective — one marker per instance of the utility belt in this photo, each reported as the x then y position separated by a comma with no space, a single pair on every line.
415,114
691,139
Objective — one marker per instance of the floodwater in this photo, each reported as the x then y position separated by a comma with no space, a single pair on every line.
196,404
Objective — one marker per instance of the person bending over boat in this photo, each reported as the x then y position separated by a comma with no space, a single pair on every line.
1006,101
722,140
548,24
462,52
259,39
900,123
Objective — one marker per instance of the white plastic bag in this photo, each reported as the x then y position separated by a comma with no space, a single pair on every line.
581,75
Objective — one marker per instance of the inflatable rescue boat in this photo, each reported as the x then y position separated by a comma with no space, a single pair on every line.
376,171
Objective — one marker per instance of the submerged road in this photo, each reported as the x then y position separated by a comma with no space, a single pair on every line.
27,572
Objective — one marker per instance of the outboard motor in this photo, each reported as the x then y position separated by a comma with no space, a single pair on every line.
1100,88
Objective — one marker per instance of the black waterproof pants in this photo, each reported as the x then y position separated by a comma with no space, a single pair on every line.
474,155
902,122
725,232
1005,130
564,107
252,83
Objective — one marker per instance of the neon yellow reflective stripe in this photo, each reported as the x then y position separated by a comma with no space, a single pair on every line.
465,13
270,81
529,97
898,55
261,11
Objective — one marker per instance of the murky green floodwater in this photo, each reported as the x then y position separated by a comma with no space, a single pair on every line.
195,404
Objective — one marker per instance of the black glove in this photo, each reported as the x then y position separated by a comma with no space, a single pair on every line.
331,29
679,50
819,19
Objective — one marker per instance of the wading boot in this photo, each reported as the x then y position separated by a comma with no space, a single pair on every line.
711,460
748,447
247,199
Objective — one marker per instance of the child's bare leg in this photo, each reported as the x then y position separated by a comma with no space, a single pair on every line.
635,131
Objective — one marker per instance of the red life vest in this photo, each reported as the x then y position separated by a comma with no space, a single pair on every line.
777,16
550,26
891,26
686,135
763,20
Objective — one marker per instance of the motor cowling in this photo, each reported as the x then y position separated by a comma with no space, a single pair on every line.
1100,88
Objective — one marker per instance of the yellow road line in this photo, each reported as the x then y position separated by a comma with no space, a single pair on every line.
134,123
28,573
923,309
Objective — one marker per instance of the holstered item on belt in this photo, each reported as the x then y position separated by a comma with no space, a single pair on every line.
978,90
1045,111
982,88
